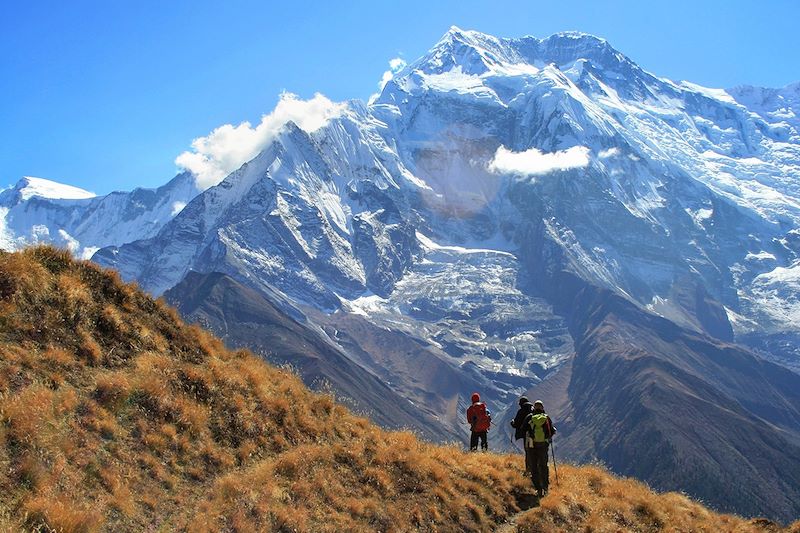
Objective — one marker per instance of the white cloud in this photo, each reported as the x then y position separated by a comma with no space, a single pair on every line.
70,242
533,162
177,207
89,251
395,65
611,152
40,232
228,147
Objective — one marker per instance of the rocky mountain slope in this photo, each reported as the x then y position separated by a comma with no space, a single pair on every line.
655,401
116,416
243,317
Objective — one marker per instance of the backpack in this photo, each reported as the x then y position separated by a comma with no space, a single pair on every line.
483,419
539,428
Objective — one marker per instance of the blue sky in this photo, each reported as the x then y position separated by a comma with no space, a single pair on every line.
104,95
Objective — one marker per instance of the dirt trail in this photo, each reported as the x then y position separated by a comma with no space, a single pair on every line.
525,501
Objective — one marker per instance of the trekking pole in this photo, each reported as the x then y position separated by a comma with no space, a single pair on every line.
555,466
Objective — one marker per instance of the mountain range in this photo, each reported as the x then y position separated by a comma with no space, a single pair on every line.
507,216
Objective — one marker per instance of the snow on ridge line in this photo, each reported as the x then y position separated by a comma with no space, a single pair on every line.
430,245
715,94
30,186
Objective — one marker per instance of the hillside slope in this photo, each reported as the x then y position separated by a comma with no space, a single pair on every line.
243,317
116,416
641,386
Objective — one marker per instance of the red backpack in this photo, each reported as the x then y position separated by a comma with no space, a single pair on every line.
478,417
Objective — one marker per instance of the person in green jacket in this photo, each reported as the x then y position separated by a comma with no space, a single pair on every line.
540,431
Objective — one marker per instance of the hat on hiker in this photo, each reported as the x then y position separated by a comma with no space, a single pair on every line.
538,404
523,400
476,397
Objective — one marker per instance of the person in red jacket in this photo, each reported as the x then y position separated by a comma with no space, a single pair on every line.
479,419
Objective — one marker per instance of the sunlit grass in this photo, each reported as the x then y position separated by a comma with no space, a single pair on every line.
116,416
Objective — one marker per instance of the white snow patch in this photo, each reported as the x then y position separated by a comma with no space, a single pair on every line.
740,322
658,305
699,215
782,275
534,162
716,94
366,306
7,240
70,242
40,232
428,244
177,207
458,81
89,251
777,294
611,152
760,256
30,186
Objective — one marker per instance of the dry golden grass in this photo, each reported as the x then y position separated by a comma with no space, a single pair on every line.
589,499
116,416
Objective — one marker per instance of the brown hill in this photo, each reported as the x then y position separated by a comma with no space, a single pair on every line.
116,416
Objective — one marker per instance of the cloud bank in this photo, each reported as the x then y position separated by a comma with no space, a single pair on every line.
534,162
228,147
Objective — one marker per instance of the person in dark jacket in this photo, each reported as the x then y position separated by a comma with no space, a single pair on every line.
525,408
540,431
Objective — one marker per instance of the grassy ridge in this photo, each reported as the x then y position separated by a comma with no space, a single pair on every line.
116,416
590,499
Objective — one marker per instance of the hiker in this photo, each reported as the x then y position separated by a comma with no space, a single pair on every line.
525,408
479,419
540,431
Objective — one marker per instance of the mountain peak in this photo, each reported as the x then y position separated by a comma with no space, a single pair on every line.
30,186
572,34
477,53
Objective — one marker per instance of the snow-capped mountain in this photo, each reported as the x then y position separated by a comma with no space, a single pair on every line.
482,168
675,185
434,234
681,180
39,210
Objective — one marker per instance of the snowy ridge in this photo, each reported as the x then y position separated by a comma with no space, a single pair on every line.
38,210
30,186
